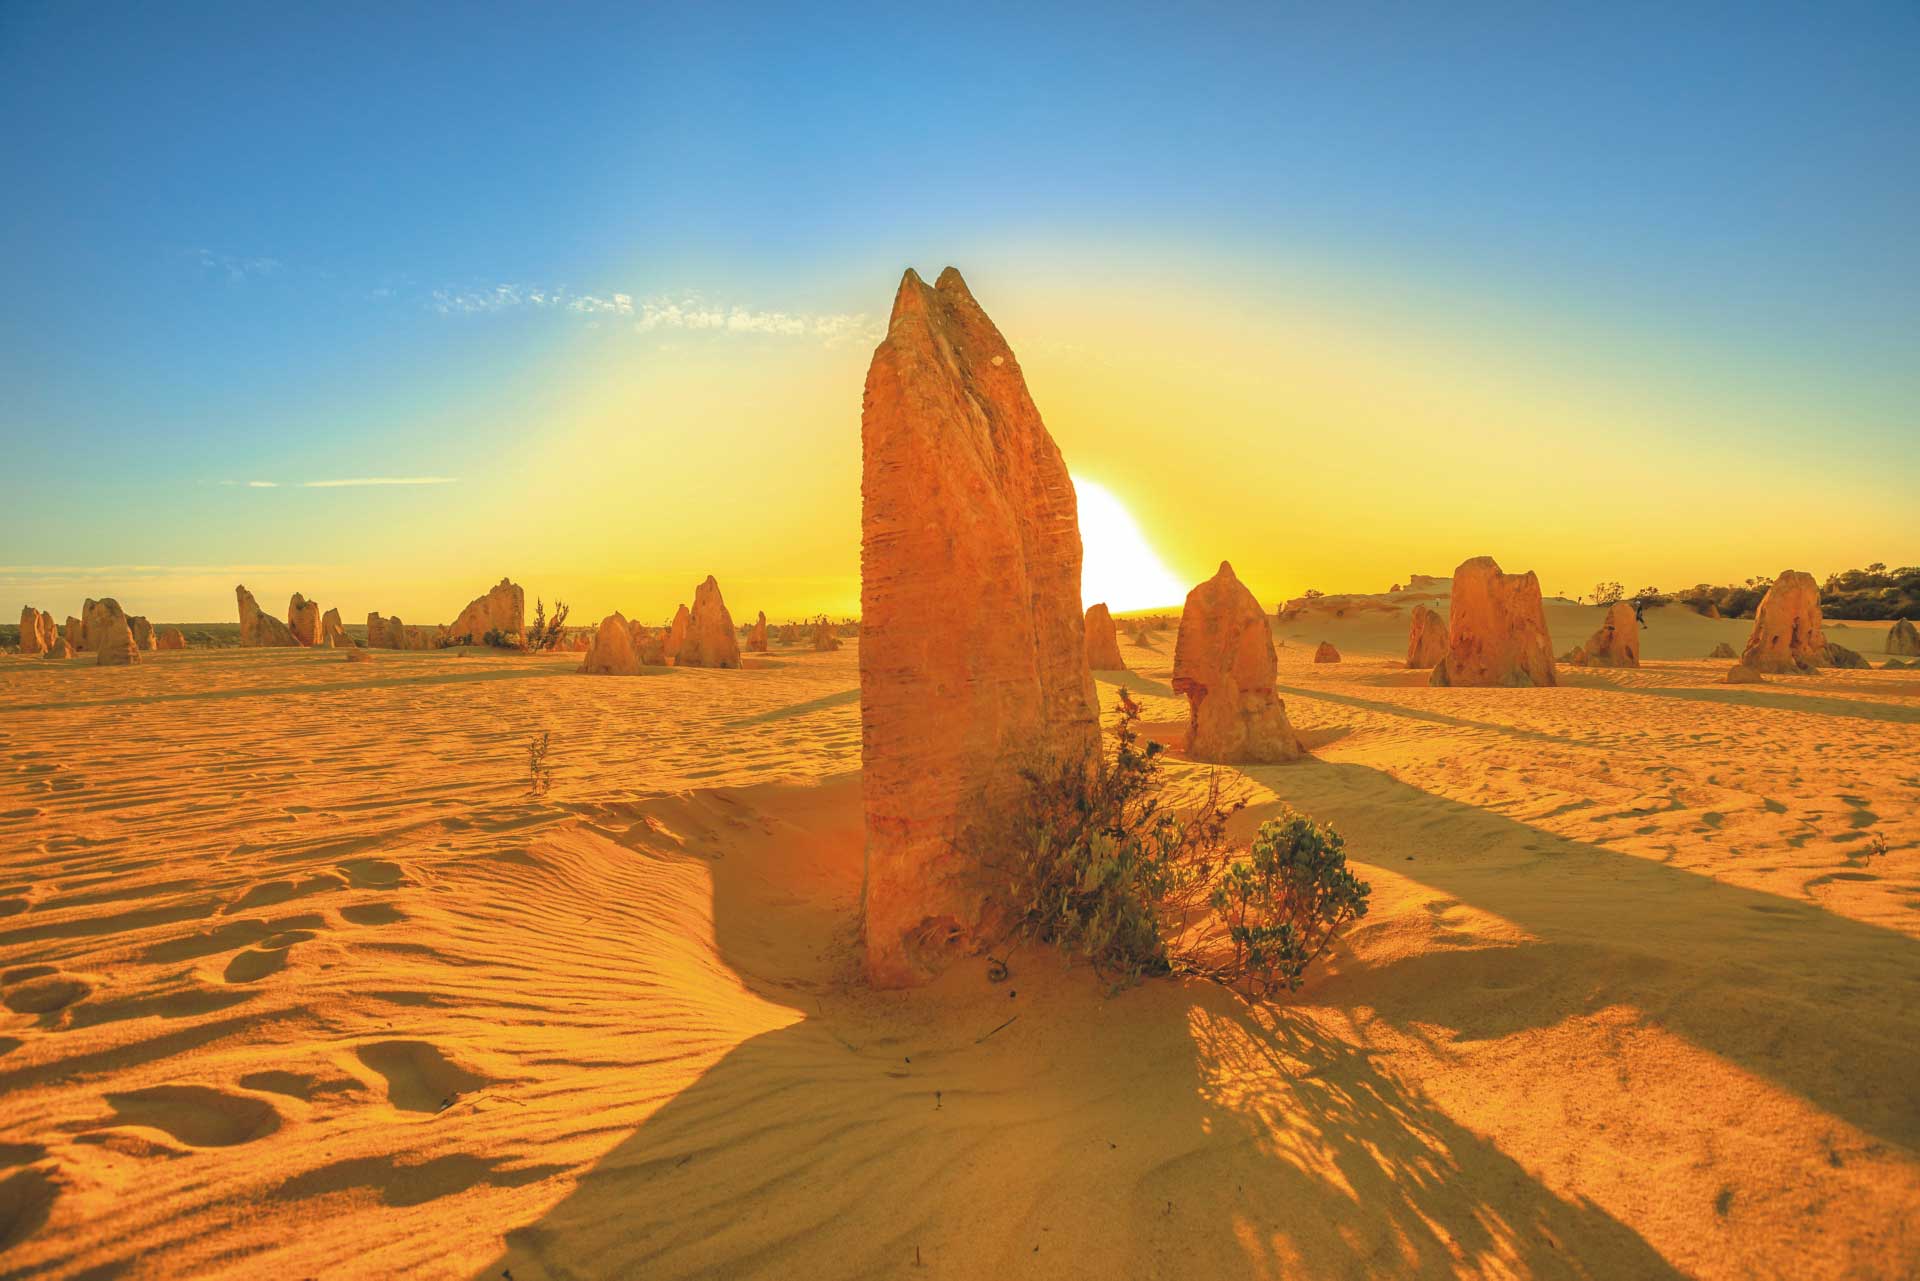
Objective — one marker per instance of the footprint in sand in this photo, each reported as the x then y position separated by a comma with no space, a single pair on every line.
374,874
299,1085
373,914
420,1077
197,1115
268,956
43,991
268,893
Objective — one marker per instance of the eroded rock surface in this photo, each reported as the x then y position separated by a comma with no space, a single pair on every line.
1616,643
1223,663
1496,629
612,652
1426,638
1103,643
503,609
1787,631
1902,638
258,630
709,640
965,498
303,620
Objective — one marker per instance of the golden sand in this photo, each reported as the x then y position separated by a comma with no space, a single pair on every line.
299,980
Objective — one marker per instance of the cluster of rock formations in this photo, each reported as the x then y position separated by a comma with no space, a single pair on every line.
37,632
703,636
1496,629
964,497
1103,643
1223,662
1615,644
391,633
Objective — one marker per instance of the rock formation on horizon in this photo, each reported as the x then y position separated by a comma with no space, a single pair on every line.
677,633
1902,637
59,647
1496,629
142,631
36,630
1616,643
1223,663
825,639
1326,653
1787,631
258,630
1723,650
757,634
503,609
74,632
98,618
973,661
170,639
1426,638
1103,643
303,620
612,651
709,639
333,633
116,648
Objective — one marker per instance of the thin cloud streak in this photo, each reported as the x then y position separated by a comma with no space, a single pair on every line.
379,480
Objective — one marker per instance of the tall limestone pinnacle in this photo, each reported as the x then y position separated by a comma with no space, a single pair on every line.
972,644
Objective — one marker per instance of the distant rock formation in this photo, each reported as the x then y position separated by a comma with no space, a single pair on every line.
380,631
1902,637
1103,643
74,632
757,635
1616,643
169,639
825,638
612,652
60,647
503,609
97,619
391,633
709,640
1787,633
1427,583
1496,629
1326,653
973,661
1426,638
36,631
116,648
142,631
1839,655
1223,662
1723,650
303,620
258,630
333,633
677,633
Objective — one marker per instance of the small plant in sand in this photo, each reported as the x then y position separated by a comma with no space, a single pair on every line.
539,771
1107,868
1608,593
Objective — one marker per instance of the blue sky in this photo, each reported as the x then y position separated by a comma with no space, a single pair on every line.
248,242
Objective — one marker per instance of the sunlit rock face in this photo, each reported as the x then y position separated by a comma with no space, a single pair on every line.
677,632
709,640
1103,643
503,609
116,648
1902,637
258,630
142,631
97,619
973,657
757,638
303,620
36,631
1496,629
612,652
1616,643
1223,663
170,639
333,633
1426,638
1788,635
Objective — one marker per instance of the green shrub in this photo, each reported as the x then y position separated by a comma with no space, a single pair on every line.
1102,866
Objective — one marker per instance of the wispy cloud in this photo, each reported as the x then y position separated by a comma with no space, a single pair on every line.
351,482
661,313
236,267
379,480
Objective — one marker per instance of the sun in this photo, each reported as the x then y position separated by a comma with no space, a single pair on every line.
1118,565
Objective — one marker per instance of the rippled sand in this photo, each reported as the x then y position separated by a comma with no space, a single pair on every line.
300,980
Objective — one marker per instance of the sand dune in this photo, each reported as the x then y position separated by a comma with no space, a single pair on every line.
299,980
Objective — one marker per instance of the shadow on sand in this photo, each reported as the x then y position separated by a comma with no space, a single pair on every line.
1041,1129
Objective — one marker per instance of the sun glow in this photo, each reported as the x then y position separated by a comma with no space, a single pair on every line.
1118,565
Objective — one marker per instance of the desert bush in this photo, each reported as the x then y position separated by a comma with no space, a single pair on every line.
539,771
1608,593
546,633
1103,866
